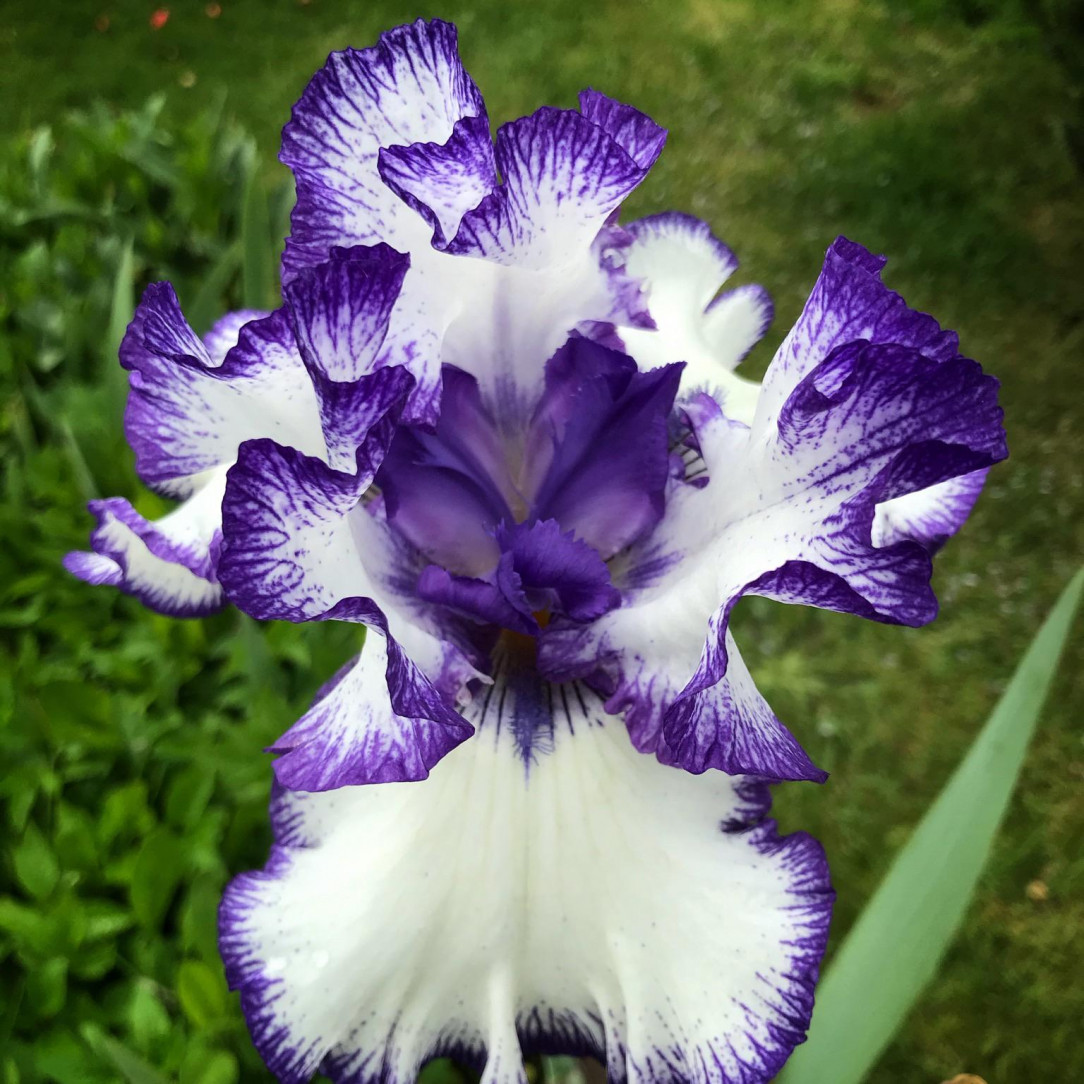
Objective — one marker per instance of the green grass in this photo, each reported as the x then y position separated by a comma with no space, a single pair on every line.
940,136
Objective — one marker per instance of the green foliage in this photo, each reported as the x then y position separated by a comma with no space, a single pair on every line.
902,933
133,782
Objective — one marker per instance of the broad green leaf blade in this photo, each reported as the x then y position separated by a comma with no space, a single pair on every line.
898,940
257,269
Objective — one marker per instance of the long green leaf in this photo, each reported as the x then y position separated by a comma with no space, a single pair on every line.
898,940
122,302
208,304
257,270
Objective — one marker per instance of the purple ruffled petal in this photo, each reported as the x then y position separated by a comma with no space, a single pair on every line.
381,721
849,302
186,415
442,181
601,436
557,571
168,565
225,332
635,132
562,176
298,546
409,88
929,516
789,513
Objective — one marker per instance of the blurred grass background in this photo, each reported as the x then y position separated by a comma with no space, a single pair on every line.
947,135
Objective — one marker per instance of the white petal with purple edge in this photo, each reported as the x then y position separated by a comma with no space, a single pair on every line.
788,512
593,902
187,415
168,564
930,516
409,88
353,735
683,266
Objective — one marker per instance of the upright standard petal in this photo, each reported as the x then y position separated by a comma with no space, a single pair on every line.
670,932
682,266
409,88
562,177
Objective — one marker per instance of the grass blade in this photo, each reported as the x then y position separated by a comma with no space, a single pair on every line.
122,304
208,305
895,946
257,268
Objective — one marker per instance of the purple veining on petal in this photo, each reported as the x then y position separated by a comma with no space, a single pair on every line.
929,516
362,731
640,137
562,176
169,566
340,309
186,415
226,330
279,506
443,181
849,302
409,88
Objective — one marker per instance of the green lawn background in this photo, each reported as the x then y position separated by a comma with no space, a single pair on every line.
940,134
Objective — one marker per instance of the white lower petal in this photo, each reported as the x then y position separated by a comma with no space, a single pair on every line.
586,900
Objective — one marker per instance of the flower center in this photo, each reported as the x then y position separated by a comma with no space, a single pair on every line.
524,524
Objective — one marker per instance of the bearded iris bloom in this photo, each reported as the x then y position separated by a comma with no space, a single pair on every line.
503,432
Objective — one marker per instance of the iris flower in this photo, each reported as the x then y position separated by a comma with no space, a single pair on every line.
503,432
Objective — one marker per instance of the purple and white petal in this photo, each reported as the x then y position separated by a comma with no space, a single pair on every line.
380,721
849,302
682,266
562,177
225,332
191,402
169,564
787,513
635,132
443,181
299,546
703,974
186,414
409,88
930,516
298,543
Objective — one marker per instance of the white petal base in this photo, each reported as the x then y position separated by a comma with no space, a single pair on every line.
586,900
